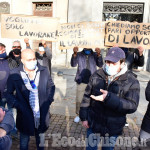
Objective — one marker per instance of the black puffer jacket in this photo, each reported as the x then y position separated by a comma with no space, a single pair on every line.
146,120
122,98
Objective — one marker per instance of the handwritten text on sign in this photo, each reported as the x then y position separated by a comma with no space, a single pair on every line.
84,35
126,34
32,27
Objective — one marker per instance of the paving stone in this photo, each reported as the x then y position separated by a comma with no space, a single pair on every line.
76,130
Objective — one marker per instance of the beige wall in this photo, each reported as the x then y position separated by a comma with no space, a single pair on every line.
79,10
21,7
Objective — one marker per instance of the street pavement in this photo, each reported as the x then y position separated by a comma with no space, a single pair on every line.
63,112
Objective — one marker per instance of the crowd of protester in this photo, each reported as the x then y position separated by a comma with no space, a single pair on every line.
106,91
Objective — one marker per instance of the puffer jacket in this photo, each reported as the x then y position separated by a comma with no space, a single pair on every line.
146,120
109,116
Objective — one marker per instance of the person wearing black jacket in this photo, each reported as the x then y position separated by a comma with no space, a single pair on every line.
112,92
133,59
15,53
145,127
6,126
34,95
6,65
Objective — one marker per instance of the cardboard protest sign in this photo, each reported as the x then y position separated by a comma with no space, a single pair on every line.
127,34
32,27
83,35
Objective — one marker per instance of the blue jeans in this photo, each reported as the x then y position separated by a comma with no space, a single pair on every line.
24,141
94,139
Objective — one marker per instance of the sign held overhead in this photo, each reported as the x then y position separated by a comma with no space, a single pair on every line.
81,34
32,27
127,34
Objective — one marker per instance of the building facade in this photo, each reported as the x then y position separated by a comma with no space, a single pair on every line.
78,11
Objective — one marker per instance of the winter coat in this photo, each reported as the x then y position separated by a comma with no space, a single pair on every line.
83,74
109,116
20,101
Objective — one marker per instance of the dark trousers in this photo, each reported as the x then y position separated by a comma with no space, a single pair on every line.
24,141
94,140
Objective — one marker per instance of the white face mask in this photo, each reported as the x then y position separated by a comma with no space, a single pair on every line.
31,65
41,49
111,71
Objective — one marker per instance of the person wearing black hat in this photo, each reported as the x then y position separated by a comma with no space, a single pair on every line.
112,92
15,53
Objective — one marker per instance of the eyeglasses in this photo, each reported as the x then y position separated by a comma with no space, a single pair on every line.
19,47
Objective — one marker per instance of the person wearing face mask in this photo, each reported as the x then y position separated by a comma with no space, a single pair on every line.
43,55
111,94
34,95
15,53
87,62
6,64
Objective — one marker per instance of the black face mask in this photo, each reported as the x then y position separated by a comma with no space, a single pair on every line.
17,51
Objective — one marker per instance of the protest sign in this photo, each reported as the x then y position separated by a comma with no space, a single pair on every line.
32,27
83,35
127,34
